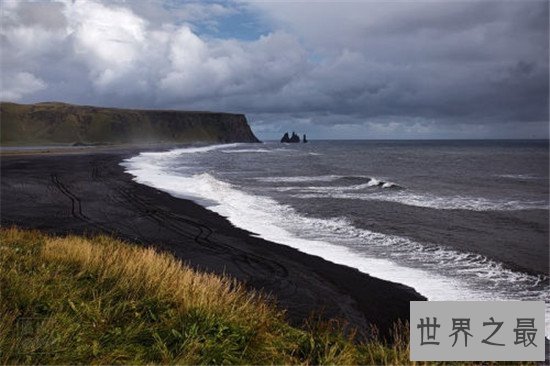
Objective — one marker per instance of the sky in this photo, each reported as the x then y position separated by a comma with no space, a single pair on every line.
343,70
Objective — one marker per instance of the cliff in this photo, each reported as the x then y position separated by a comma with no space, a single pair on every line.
60,123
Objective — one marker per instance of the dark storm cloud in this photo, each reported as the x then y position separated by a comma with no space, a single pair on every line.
362,69
439,60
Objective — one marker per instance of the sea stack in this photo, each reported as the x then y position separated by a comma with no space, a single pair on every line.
305,139
292,139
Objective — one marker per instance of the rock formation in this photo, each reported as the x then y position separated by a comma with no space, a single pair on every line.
293,139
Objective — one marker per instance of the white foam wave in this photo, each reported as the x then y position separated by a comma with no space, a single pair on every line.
436,272
189,150
520,176
337,189
317,178
406,197
373,182
238,151
431,201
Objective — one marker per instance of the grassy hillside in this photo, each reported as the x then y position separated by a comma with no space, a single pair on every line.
59,123
69,300
78,300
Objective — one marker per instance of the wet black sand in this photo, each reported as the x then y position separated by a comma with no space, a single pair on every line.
89,193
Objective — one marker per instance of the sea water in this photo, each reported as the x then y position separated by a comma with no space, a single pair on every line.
438,216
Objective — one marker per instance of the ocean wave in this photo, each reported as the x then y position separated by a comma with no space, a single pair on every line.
297,179
520,176
372,183
237,151
431,201
189,150
369,181
260,150
435,271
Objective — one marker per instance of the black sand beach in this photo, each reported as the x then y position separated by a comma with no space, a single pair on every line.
89,193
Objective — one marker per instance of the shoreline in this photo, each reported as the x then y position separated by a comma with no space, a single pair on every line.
89,149
89,193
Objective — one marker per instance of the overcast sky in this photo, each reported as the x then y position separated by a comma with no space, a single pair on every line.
369,69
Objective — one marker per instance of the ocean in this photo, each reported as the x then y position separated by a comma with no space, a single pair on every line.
456,220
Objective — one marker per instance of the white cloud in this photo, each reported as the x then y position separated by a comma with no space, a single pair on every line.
229,68
15,86
405,65
109,40
204,11
125,56
160,12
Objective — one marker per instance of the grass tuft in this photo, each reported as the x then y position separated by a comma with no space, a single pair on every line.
69,300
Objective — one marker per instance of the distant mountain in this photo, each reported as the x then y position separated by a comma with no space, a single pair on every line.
60,123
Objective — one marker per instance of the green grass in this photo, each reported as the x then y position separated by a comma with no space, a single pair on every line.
60,123
68,300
